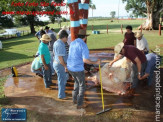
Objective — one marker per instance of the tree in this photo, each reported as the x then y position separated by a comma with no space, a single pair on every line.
146,8
93,7
113,13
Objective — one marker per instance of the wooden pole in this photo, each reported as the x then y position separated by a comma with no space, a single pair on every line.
122,28
107,28
92,28
159,29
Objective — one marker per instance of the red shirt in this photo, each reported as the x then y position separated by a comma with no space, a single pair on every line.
129,39
132,52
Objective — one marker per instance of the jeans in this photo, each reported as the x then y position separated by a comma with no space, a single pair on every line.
62,79
47,76
51,61
79,87
134,75
150,78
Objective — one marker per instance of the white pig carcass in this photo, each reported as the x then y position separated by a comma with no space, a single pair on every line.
115,78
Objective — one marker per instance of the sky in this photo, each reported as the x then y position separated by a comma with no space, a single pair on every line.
104,7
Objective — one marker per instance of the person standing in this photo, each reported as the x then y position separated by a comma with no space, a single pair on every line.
60,63
151,65
50,46
45,60
129,38
78,55
137,58
141,43
38,34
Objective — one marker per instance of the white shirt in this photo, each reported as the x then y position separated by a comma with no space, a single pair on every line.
142,44
69,39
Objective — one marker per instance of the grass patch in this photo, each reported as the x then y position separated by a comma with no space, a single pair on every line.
21,50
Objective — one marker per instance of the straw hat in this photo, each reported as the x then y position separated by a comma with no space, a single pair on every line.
118,49
138,34
46,38
41,28
64,27
82,32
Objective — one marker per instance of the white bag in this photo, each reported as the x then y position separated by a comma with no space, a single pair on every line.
0,45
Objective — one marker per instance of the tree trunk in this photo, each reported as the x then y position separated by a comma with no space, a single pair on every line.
32,28
156,20
31,21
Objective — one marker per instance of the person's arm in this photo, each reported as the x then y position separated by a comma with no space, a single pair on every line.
44,63
87,61
62,62
144,76
115,60
138,63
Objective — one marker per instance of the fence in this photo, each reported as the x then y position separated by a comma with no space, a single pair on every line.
107,28
17,34
160,26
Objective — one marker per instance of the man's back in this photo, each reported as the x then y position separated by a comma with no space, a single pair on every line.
77,52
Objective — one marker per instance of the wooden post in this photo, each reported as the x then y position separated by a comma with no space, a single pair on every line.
159,29
92,28
141,28
107,29
122,28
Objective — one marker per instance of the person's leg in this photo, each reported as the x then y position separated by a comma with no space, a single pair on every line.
50,74
51,62
61,80
75,92
46,77
81,80
134,76
150,78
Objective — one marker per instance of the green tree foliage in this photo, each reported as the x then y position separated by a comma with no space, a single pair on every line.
113,13
146,8
6,5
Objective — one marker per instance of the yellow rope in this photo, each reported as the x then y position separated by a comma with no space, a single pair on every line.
102,95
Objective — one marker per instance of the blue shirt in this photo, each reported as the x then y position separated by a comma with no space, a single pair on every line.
59,50
151,61
77,52
44,50
38,34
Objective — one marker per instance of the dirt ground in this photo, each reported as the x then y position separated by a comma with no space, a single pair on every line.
28,91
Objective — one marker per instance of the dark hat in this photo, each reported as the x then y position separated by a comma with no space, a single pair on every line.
82,32
47,27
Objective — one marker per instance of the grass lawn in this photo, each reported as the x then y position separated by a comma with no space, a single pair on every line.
20,50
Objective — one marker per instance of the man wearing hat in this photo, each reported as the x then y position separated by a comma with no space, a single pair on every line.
38,34
141,43
45,60
47,30
137,58
78,55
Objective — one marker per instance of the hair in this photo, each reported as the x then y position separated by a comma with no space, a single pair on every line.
81,36
129,27
63,34
42,32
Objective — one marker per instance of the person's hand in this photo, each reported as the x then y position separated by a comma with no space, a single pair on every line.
139,77
98,61
46,67
111,63
66,70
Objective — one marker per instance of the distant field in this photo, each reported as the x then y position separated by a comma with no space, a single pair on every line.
20,50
